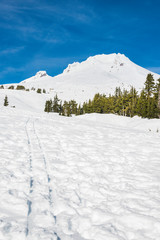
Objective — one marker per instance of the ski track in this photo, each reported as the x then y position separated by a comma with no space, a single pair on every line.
33,139
76,179
29,202
48,178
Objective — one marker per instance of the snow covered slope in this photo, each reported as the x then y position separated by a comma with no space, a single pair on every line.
92,177
101,73
24,100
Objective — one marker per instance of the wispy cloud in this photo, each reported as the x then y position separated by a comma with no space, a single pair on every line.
76,11
11,50
9,70
38,12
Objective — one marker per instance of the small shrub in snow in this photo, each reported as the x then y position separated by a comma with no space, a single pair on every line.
20,87
11,87
39,90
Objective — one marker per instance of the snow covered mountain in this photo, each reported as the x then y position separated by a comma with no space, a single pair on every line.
101,73
79,81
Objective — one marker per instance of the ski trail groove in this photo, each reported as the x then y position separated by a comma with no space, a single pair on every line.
33,139
45,165
29,202
48,178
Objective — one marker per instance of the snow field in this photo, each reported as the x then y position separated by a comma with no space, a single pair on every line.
90,177
23,100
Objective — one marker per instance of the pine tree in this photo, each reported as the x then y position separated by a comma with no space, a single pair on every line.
73,106
39,90
80,110
60,108
48,106
98,103
89,107
133,95
118,92
6,103
149,88
153,113
157,96
142,104
55,106
158,103
66,109
84,107
149,85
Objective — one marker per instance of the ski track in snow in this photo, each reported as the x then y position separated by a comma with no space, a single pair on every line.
74,178
34,140
29,202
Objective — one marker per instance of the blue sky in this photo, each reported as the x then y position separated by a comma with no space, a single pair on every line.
50,34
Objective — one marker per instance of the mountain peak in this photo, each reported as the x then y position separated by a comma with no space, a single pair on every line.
41,74
108,58
105,60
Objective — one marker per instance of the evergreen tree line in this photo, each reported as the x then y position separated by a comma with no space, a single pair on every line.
126,103
65,109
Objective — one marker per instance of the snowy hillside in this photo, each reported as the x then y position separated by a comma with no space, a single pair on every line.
92,177
24,100
101,73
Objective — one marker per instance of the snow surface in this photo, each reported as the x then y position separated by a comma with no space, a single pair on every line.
24,100
92,177
98,74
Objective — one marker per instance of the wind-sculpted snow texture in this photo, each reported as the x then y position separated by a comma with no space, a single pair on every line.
91,177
